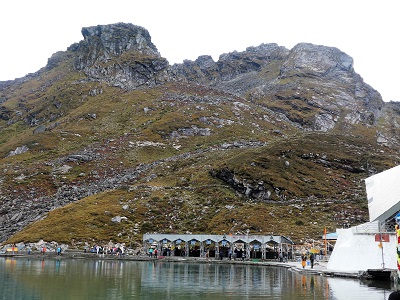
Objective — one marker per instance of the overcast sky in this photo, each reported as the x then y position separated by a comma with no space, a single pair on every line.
368,31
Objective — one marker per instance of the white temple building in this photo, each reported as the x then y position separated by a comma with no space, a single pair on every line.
372,245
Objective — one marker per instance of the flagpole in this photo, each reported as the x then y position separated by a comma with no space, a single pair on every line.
325,239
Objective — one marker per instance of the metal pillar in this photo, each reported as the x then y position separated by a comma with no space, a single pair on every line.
263,248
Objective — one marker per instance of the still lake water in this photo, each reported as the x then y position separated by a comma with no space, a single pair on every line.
31,279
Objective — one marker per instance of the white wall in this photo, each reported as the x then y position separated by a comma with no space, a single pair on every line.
360,252
383,194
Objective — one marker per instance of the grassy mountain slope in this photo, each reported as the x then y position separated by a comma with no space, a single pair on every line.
243,150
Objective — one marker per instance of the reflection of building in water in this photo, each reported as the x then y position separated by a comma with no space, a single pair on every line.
236,280
198,245
24,278
371,245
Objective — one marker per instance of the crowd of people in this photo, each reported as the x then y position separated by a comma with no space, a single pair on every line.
113,250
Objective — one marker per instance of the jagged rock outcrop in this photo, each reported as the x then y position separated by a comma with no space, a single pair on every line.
317,61
236,72
121,55
388,129
259,191
318,80
315,87
329,72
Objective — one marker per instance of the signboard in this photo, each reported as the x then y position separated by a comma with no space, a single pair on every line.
385,237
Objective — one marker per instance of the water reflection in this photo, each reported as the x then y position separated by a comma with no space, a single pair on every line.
355,289
114,279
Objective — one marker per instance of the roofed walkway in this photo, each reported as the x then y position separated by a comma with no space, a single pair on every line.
203,245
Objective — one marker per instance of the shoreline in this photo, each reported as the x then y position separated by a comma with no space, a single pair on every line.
319,266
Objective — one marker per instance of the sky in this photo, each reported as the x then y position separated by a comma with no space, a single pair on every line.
368,31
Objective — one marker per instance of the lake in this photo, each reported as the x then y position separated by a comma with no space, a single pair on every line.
31,278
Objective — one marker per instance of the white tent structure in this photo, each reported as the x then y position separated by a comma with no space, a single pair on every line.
371,245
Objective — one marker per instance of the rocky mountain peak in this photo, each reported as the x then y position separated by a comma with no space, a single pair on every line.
204,62
269,51
315,60
119,54
118,38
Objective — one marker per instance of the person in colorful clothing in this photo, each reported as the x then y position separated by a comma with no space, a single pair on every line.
303,260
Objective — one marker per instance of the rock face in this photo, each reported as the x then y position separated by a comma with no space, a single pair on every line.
325,79
107,40
253,190
321,78
119,54
318,80
236,72
317,61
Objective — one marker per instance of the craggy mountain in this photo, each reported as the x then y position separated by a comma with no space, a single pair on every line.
109,141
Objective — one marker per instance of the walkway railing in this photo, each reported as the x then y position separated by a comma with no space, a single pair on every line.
373,228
